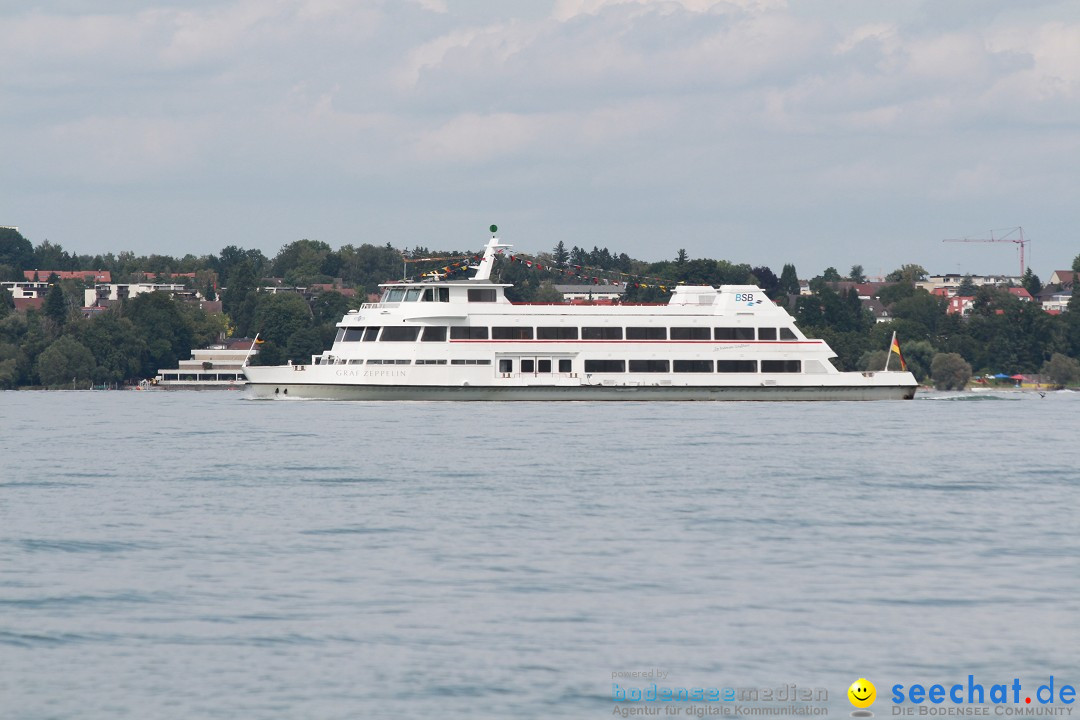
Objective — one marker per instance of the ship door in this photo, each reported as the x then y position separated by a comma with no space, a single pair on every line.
536,366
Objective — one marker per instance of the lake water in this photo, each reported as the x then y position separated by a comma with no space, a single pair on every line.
200,555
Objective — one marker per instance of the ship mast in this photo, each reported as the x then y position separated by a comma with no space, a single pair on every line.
483,270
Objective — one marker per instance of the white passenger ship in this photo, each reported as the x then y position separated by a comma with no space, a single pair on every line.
464,340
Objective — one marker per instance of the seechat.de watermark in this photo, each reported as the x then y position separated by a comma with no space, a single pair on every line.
974,698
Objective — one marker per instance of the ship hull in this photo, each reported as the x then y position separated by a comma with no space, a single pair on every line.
300,391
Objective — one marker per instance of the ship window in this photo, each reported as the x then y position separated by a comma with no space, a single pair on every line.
601,333
340,334
353,334
736,366
528,366
468,333
429,295
766,333
412,294
395,295
564,365
781,366
430,362
371,334
511,333
506,365
605,366
693,366
787,334
434,333
556,333
646,333
543,366
734,333
394,333
470,362
444,294
690,333
481,294
356,362
648,366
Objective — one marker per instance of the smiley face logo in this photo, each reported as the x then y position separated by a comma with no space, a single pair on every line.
862,693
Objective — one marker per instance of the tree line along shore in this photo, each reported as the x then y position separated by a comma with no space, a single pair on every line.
294,300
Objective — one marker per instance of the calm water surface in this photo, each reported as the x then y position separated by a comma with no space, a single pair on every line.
190,555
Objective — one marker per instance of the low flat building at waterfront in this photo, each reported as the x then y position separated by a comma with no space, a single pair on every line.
218,366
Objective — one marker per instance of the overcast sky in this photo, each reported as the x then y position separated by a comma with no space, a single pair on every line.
819,132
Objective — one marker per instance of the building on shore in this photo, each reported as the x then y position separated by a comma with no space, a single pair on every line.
218,366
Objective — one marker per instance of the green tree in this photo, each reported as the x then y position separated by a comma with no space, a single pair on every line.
919,358
909,273
270,353
831,274
279,316
166,329
921,307
329,307
118,347
206,328
1076,264
966,288
789,280
53,257
240,298
873,360
16,252
304,343
950,371
368,265
766,280
547,293
856,274
681,258
306,261
56,307
64,362
1031,282
1062,370
7,302
560,254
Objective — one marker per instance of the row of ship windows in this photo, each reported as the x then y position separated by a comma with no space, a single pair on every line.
544,365
318,361
438,333
436,294
441,294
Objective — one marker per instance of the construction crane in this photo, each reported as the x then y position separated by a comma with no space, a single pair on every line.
1007,237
